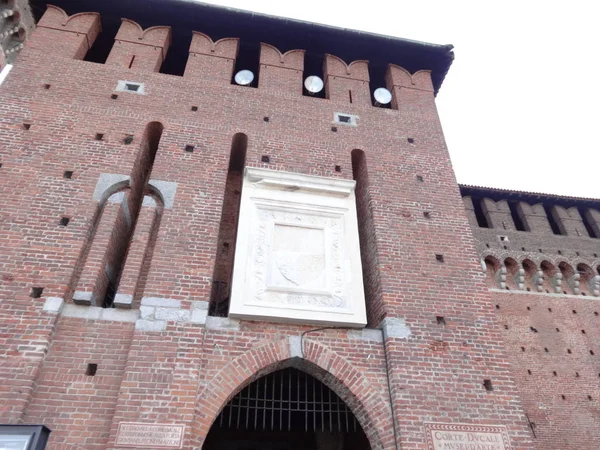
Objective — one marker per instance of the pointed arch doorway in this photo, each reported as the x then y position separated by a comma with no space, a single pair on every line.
286,410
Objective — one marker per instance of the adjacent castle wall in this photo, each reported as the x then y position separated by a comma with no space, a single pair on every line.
546,291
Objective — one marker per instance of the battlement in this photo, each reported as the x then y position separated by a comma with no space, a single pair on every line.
215,61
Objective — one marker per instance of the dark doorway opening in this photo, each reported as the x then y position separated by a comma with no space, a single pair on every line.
286,410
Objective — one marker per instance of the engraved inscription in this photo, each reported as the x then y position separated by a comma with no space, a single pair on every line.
460,436
146,435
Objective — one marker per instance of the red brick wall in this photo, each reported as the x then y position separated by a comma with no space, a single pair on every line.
572,422
186,373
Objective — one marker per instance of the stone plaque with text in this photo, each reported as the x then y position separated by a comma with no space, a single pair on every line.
149,435
462,436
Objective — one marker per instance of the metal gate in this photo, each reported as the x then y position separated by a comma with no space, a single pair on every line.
288,399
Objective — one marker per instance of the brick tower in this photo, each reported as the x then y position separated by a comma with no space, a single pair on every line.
192,263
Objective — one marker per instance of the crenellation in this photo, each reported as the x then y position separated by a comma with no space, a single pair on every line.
497,214
62,35
209,60
347,83
535,217
139,49
281,72
571,221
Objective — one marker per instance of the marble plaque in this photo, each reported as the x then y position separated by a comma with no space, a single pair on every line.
149,435
462,436
297,256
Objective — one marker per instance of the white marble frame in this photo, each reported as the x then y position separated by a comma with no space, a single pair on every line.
271,198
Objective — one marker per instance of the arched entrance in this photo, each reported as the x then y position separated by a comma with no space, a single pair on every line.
286,410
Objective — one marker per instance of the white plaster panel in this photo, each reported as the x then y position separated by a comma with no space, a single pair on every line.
297,255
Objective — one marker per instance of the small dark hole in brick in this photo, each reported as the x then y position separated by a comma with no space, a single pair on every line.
589,397
574,311
541,251
114,96
488,385
225,247
529,371
528,289
533,329
507,288
0,165
505,247
411,140
266,119
497,306
554,373
334,129
529,308
99,136
338,168
563,397
26,126
522,349
439,258
189,148
582,331
427,214
569,351
46,86
36,292
419,178
565,292
440,320
546,350
523,248
68,174
194,108
265,159
577,253
592,352
595,313
549,309
506,327
487,245
128,139
558,330
64,221
595,255
560,252
576,374
91,370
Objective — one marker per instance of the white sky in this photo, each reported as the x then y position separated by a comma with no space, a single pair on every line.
519,105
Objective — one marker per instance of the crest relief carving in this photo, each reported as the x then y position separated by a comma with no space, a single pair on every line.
297,253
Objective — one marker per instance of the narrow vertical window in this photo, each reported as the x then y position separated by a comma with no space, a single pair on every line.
367,239
223,271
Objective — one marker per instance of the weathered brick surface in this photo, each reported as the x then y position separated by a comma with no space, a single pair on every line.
188,371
